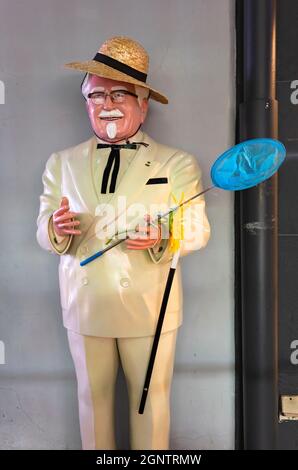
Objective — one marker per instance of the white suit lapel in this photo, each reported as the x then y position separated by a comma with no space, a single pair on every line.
81,171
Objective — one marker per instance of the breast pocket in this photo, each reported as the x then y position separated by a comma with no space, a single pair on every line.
157,191
162,180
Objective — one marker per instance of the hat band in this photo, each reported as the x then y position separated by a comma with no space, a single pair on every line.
115,64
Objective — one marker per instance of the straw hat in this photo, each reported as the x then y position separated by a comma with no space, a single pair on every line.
121,58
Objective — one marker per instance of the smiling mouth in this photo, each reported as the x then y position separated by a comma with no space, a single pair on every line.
110,118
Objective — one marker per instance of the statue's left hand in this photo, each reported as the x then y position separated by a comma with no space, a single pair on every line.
146,236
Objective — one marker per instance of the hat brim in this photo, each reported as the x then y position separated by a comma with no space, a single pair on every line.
102,70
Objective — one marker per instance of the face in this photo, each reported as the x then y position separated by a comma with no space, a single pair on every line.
113,122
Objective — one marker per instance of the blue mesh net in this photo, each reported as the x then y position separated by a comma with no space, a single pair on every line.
247,164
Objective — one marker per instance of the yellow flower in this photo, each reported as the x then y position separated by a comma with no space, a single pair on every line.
176,225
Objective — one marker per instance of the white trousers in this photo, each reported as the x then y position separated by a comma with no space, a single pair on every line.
96,363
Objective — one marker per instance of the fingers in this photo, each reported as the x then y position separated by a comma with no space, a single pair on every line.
66,228
65,216
70,232
69,224
61,210
139,244
64,202
64,206
137,247
145,236
64,220
145,232
142,230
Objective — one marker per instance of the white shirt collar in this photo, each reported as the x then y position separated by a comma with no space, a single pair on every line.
138,137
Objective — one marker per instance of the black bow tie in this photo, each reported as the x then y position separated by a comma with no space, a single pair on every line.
128,145
114,159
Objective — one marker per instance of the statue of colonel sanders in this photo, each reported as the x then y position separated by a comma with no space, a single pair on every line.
110,184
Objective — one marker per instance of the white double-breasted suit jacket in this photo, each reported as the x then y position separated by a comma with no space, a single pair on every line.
120,293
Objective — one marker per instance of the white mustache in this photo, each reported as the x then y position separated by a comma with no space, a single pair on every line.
112,113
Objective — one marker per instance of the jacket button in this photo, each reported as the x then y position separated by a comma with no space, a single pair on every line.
84,250
85,281
124,282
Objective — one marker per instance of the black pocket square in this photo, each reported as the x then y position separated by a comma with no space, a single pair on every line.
157,181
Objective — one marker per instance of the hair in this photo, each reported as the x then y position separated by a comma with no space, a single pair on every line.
143,93
84,85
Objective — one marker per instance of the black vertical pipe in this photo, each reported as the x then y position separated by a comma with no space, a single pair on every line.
258,232
239,437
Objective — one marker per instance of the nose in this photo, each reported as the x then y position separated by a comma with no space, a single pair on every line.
108,103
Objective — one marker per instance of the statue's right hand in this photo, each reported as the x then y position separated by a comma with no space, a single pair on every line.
64,221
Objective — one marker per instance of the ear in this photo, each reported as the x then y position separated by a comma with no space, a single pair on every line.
144,109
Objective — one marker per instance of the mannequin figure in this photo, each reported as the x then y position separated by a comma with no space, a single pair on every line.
95,191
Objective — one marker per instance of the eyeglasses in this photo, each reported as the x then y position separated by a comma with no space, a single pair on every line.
117,96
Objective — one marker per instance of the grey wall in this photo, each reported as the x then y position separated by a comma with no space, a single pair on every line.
191,45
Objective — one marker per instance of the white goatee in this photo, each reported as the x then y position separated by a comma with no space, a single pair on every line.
111,130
